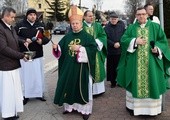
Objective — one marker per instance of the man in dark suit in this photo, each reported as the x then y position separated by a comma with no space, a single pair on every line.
10,85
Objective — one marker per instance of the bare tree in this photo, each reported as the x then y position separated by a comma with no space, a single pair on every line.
60,9
154,2
18,5
130,8
8,3
98,4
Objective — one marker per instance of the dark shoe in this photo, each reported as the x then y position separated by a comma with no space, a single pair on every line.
15,117
85,117
25,100
65,112
98,95
41,98
119,85
12,118
7,118
131,112
113,85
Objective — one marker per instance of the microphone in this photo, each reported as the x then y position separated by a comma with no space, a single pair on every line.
152,43
34,38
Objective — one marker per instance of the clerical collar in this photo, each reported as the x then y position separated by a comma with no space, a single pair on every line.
78,31
31,22
88,24
9,26
143,25
151,17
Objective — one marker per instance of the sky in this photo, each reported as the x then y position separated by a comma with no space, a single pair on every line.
107,4
113,5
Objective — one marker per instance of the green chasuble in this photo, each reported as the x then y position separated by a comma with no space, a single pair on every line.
73,77
142,73
98,32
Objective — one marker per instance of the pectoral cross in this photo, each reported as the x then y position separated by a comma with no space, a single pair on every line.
73,42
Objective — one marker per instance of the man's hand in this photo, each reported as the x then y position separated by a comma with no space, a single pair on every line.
116,45
154,50
25,58
39,41
28,40
26,44
54,46
74,47
140,41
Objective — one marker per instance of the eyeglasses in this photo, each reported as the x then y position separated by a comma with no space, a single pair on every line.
142,14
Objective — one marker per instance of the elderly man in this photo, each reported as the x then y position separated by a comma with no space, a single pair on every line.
76,67
114,30
143,66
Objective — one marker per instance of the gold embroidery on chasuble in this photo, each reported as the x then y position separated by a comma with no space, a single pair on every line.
97,69
91,31
73,42
143,63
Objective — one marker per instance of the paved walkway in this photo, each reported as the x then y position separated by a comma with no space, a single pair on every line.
109,106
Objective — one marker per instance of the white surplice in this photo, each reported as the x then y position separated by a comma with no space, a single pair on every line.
98,88
32,78
146,106
83,109
11,98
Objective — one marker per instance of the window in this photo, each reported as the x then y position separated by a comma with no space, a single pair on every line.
39,6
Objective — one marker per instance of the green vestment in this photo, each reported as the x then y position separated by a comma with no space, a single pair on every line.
98,32
73,77
142,73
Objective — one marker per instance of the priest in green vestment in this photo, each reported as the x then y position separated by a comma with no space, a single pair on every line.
96,30
76,52
143,66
